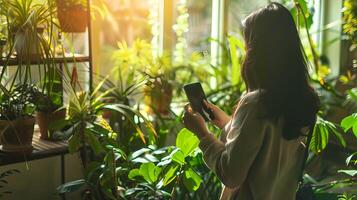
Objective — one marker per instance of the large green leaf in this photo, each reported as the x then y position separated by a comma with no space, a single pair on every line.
150,172
191,180
350,122
178,157
320,136
186,141
170,174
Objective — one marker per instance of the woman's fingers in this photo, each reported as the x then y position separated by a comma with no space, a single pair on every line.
207,104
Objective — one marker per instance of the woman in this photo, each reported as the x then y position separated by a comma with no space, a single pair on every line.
260,153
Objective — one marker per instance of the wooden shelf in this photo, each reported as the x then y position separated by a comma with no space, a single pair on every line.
42,149
69,58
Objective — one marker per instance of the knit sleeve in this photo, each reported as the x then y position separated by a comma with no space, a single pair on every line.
231,161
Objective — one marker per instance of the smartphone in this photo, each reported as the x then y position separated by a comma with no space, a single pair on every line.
196,96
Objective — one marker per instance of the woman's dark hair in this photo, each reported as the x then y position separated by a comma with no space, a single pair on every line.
276,64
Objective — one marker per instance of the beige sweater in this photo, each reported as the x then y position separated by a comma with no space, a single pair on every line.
252,159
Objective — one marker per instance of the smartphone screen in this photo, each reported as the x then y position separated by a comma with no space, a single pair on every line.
196,96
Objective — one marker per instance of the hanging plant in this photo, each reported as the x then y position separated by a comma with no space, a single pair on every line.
72,15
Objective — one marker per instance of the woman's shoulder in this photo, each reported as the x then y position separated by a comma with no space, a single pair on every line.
251,97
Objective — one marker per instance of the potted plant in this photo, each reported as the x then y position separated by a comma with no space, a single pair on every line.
16,120
48,110
28,20
72,15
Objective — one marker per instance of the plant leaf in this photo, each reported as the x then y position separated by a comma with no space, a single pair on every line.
349,122
134,173
170,175
349,172
186,141
191,180
71,186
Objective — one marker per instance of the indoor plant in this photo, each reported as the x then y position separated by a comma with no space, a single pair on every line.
32,28
28,20
72,15
48,111
16,120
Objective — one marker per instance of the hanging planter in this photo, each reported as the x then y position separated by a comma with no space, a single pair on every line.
44,121
72,15
16,135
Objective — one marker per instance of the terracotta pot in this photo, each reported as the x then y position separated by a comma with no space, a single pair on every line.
72,19
16,135
159,97
44,120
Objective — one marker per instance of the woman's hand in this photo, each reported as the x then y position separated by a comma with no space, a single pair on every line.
220,117
194,122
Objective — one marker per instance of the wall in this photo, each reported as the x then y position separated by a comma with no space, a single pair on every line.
40,180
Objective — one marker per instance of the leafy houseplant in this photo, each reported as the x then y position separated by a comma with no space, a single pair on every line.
158,93
164,170
16,120
72,15
31,25
28,20
48,111
123,91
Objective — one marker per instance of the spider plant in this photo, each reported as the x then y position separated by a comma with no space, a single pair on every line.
83,117
30,27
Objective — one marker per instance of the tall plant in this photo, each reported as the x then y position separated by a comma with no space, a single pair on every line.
31,34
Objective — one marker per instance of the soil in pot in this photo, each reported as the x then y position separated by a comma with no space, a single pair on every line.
16,135
72,19
44,119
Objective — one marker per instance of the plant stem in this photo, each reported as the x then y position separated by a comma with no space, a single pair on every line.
173,192
313,51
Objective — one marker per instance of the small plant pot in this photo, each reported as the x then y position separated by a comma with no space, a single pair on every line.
44,120
72,19
28,48
159,97
16,135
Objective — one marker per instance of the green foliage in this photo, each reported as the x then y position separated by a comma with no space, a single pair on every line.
174,166
186,141
350,20
17,103
350,122
27,14
30,27
322,131
302,15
